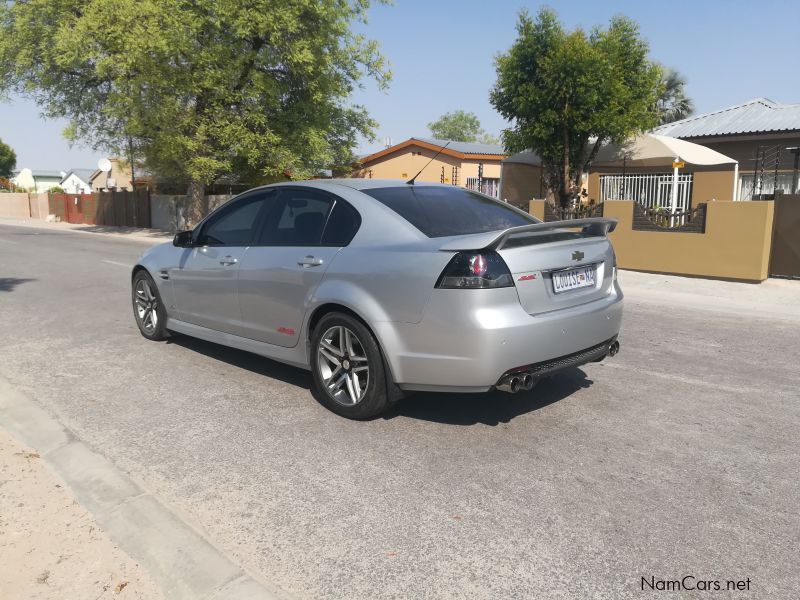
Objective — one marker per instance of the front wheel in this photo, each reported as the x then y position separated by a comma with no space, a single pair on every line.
148,310
348,369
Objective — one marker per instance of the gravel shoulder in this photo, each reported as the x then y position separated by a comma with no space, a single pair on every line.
50,546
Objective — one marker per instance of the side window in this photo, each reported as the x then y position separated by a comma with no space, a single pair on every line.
298,219
235,224
342,225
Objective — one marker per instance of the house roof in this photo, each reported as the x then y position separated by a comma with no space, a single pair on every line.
526,157
759,115
462,150
85,175
37,173
465,147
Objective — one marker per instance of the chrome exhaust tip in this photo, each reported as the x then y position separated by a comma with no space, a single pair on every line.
527,382
613,349
510,384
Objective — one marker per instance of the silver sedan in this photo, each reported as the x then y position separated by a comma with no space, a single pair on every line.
383,287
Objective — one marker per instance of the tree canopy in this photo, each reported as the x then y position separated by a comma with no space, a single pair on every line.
673,103
461,126
567,94
8,160
198,89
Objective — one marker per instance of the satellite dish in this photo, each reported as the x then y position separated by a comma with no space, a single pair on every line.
104,165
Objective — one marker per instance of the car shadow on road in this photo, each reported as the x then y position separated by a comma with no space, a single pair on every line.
245,360
491,408
7,284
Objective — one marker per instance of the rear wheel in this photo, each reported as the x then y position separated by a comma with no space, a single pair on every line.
348,368
148,310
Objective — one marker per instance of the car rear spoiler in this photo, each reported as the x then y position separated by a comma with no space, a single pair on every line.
592,227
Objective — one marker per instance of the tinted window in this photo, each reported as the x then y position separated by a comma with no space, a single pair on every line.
234,224
343,223
443,211
297,220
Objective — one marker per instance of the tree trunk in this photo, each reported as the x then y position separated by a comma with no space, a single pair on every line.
198,202
565,189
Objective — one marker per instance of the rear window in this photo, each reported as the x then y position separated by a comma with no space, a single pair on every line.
444,211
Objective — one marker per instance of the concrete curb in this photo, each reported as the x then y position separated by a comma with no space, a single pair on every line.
178,558
144,236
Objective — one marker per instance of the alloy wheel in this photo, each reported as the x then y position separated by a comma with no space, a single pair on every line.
146,306
343,365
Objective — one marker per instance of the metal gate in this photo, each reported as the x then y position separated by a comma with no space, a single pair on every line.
784,260
651,190
73,208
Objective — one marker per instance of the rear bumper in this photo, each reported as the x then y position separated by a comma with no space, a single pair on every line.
469,339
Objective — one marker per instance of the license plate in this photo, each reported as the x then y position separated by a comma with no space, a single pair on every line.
573,279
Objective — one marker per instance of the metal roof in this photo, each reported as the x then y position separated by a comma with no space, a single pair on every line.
466,147
85,175
759,115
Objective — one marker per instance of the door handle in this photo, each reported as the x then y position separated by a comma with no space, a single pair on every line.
228,260
309,261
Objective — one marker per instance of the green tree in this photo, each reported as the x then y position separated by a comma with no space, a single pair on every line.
458,126
568,93
673,103
489,138
8,160
198,89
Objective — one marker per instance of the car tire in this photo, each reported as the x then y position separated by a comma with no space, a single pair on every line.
348,368
148,309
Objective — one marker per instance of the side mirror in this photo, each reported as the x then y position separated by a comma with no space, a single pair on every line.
182,239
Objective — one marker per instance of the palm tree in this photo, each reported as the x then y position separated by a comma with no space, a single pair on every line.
673,103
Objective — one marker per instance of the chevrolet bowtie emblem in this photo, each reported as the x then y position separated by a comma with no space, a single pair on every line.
577,255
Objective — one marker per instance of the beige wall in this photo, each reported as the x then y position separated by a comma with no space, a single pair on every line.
24,206
15,206
39,205
536,208
736,244
406,162
712,185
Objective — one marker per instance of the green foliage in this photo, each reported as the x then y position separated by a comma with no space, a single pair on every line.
8,160
489,138
56,190
200,89
568,93
673,103
458,126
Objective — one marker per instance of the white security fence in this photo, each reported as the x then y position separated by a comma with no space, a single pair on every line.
758,184
488,185
651,190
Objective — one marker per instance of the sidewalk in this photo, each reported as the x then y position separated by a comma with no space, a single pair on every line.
148,236
50,546
772,298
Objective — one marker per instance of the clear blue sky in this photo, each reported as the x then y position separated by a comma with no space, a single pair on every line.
442,51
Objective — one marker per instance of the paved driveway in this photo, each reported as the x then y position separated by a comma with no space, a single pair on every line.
678,457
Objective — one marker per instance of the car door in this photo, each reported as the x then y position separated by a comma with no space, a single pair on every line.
279,273
204,283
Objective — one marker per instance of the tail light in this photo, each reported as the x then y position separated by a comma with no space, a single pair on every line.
475,270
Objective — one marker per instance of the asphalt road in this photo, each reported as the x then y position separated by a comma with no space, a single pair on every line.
677,457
